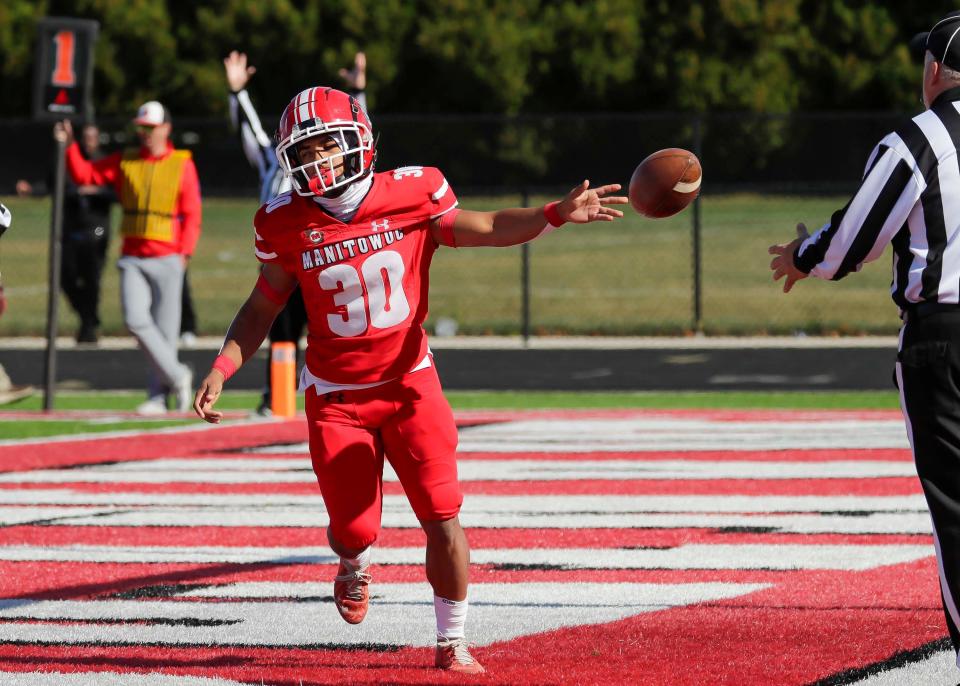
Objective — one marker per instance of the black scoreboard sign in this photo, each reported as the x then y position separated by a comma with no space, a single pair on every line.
63,77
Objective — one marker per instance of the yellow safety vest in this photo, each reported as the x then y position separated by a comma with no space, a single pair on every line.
149,194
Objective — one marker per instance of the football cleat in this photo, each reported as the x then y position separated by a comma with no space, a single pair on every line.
453,655
351,593
153,407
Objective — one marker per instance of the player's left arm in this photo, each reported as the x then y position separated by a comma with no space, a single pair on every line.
245,335
582,205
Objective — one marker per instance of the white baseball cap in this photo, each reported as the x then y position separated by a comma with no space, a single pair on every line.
151,113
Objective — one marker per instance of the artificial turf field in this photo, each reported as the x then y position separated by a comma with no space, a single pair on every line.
617,538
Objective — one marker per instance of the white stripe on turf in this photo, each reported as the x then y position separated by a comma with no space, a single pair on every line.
692,556
283,470
940,669
400,614
862,516
560,503
473,503
643,434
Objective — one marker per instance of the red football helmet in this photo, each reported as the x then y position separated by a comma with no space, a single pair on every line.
325,112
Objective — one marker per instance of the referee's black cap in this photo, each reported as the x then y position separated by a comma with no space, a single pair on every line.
943,41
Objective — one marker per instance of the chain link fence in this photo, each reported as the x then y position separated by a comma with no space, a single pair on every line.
704,270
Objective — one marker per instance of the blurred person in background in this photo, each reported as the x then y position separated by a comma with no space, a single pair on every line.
909,198
8,391
258,148
86,235
188,313
359,246
157,187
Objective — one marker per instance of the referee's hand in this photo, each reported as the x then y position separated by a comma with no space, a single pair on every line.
782,265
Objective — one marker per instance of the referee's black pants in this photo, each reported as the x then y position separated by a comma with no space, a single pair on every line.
928,373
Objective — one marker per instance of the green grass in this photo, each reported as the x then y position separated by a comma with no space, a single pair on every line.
127,402
629,277
19,428
532,400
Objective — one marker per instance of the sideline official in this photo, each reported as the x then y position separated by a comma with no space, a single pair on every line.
158,189
910,198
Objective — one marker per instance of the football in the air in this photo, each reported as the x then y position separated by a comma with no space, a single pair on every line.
665,183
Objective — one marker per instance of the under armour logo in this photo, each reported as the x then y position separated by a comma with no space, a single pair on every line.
380,226
334,397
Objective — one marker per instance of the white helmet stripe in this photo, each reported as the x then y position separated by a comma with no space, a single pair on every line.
303,112
300,113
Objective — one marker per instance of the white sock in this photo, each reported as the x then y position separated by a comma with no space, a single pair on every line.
361,561
451,616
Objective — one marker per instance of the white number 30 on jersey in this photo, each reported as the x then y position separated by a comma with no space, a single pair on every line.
403,172
382,275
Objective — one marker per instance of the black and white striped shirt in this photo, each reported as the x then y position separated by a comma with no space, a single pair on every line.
257,146
909,197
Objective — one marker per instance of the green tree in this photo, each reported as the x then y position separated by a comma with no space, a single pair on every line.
498,56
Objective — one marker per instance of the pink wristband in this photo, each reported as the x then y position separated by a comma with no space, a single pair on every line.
553,217
225,366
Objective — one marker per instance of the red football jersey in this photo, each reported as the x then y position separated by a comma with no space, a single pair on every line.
364,282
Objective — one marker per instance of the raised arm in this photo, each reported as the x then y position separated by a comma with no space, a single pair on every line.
103,172
246,333
256,144
582,205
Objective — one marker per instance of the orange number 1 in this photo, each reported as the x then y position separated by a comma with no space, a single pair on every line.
63,74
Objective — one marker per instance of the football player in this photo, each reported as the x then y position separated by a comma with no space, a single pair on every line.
359,245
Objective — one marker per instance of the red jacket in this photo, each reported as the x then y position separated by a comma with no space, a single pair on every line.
186,222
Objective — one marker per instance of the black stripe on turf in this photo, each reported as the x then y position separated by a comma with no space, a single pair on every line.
850,676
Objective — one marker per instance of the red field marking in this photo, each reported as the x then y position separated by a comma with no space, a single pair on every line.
806,626
89,580
791,634
146,446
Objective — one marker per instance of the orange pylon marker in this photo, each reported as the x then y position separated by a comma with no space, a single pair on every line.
283,377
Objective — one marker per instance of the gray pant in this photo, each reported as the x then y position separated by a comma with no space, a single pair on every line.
150,297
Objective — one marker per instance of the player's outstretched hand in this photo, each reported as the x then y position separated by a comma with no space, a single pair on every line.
238,72
584,204
208,394
63,131
356,76
782,265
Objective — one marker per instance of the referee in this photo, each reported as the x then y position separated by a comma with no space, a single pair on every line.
910,198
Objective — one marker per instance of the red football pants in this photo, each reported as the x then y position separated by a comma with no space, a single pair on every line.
407,420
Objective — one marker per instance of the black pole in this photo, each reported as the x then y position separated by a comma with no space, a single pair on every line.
53,295
525,280
697,247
